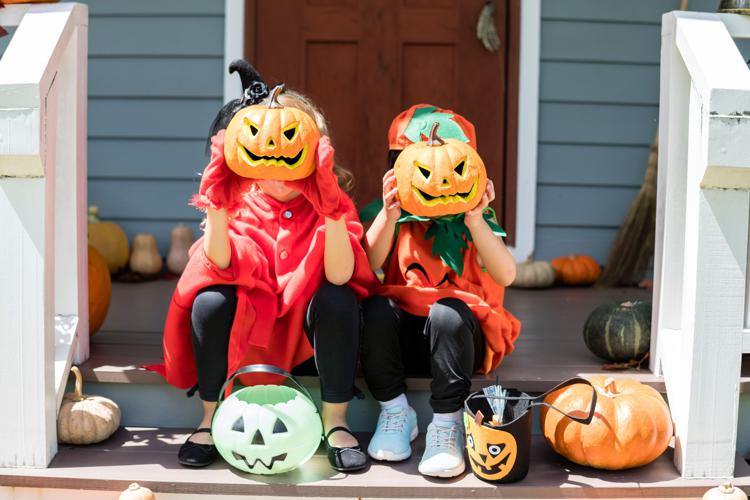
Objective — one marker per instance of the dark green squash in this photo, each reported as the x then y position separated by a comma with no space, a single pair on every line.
619,332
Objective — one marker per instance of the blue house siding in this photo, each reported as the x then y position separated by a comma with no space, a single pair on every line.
155,83
599,96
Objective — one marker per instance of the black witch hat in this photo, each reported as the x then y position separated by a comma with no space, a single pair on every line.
254,91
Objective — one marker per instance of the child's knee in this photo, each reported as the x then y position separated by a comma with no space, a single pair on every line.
214,303
451,316
335,300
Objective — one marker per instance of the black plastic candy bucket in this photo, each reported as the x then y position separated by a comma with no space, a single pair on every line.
500,453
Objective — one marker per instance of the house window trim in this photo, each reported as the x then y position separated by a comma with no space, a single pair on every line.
528,108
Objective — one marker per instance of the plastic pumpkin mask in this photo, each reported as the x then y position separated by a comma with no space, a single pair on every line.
439,177
271,141
492,452
267,429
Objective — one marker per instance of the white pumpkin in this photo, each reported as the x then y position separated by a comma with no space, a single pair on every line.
534,274
137,492
726,491
182,239
85,419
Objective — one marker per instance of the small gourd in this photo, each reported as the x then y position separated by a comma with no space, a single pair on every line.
110,240
576,270
726,491
177,259
534,274
137,492
85,419
145,259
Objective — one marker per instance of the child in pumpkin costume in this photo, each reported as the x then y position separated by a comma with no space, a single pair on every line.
277,279
439,311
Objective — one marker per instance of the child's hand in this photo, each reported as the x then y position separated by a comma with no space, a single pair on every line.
474,216
220,187
322,187
391,204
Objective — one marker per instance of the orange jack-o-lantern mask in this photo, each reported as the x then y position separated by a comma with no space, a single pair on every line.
492,452
439,177
271,141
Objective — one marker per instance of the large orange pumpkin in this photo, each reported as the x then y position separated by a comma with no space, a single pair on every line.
576,269
271,141
100,290
632,425
439,177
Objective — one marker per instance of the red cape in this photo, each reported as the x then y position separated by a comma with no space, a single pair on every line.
277,266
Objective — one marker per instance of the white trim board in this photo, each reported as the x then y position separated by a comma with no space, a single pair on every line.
528,108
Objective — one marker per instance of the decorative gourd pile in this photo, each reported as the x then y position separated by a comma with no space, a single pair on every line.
619,332
85,419
632,426
271,141
576,270
439,177
100,290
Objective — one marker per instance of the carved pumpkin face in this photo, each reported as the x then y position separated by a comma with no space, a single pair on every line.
266,429
271,141
439,177
492,452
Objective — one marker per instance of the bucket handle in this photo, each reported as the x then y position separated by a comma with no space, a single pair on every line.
535,401
260,368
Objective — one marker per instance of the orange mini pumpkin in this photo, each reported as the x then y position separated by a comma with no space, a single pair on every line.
439,177
271,141
576,269
631,427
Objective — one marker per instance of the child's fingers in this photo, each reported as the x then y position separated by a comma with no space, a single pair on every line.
490,191
390,195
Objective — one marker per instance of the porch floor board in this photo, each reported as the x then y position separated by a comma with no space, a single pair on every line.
149,457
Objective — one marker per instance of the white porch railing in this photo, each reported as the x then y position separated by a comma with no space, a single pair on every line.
700,320
43,244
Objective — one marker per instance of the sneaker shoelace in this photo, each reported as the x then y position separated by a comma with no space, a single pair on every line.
394,422
443,437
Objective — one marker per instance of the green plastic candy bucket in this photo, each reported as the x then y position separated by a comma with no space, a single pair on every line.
266,429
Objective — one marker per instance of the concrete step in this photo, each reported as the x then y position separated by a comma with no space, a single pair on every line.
149,457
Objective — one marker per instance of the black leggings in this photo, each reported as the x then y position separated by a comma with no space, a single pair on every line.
332,324
448,345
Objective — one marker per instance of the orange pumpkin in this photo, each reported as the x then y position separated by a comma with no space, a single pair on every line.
439,177
271,141
576,269
632,425
100,290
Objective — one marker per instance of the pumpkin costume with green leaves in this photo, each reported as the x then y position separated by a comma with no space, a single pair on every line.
433,257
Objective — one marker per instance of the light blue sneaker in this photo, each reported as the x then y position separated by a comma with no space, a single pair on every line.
444,450
397,428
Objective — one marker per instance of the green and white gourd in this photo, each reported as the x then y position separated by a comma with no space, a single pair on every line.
619,332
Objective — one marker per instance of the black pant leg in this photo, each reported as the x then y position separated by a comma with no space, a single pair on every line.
456,342
381,354
212,316
333,323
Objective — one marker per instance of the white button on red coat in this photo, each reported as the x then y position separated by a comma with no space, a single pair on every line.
283,255
287,214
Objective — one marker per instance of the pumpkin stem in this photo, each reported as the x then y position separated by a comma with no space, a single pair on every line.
275,93
93,214
610,388
134,486
727,488
434,139
78,396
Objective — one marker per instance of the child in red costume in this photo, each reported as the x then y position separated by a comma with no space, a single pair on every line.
432,316
276,279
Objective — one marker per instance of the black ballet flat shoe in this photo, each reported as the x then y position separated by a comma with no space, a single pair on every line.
196,454
345,459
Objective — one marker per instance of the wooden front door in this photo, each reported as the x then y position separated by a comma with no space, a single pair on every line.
364,61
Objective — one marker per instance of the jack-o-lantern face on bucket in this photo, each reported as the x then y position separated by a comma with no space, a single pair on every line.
271,142
492,452
266,429
439,177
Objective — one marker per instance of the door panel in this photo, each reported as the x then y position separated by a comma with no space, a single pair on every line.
364,61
